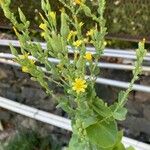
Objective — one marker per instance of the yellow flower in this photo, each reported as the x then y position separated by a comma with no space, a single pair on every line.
25,56
105,43
25,69
43,26
71,33
77,43
43,34
52,14
1,2
31,61
79,85
78,2
88,56
90,33
81,24
86,40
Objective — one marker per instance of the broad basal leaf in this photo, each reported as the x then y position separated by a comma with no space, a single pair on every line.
130,148
74,144
120,146
103,134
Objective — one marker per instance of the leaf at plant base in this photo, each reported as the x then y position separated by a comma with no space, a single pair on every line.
130,148
74,143
103,134
119,137
100,148
120,146
120,114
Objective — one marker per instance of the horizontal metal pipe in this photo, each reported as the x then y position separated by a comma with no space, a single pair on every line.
136,144
103,81
121,84
101,64
118,51
35,113
56,120
107,52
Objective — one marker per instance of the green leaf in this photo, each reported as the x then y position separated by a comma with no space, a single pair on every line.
101,7
64,30
80,63
101,108
100,148
13,50
120,114
48,6
75,144
96,70
22,16
103,134
120,146
120,96
43,5
118,111
89,121
86,10
119,137
56,43
130,148
64,106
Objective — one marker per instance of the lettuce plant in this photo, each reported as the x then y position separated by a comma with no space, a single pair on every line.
94,122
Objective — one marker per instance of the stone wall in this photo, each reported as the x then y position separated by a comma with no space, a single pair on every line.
17,86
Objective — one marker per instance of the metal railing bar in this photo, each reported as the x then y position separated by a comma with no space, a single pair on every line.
122,84
100,64
35,113
107,52
103,81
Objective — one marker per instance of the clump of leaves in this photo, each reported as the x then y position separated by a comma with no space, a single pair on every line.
30,140
94,122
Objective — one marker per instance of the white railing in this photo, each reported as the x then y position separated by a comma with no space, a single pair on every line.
130,54
100,64
56,120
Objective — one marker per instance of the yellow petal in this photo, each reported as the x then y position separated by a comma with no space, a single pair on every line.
43,26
